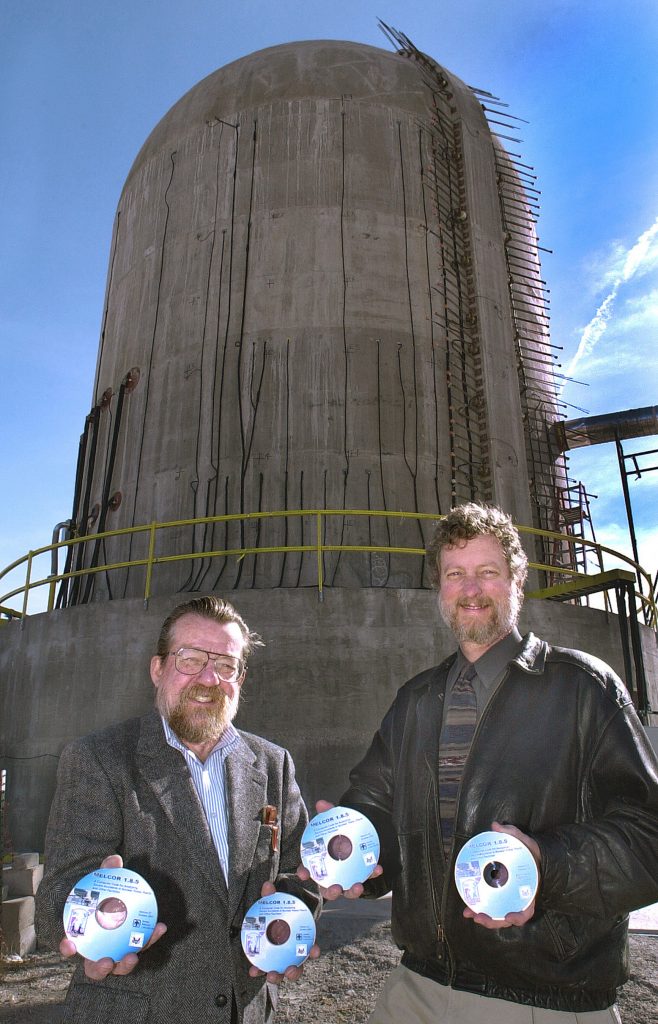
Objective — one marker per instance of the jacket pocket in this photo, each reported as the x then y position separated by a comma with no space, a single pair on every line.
96,1003
564,939
266,855
415,920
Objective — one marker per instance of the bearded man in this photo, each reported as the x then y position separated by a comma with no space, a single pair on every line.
210,816
514,736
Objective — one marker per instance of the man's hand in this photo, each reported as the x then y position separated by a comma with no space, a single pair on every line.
99,969
333,892
292,973
517,918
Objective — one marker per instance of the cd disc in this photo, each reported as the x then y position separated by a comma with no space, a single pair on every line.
496,874
339,846
278,932
110,912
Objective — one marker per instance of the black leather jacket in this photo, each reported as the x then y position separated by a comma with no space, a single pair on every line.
560,753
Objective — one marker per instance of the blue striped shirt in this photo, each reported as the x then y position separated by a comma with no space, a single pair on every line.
210,783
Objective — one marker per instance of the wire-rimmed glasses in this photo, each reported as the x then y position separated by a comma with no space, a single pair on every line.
192,660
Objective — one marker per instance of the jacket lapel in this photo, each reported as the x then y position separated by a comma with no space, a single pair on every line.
246,793
429,715
165,771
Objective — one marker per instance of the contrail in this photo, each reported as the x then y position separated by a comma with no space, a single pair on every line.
636,258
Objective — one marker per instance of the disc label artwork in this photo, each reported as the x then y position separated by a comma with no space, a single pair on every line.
277,932
496,874
110,912
339,846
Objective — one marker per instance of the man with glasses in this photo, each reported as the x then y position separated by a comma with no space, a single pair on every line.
210,816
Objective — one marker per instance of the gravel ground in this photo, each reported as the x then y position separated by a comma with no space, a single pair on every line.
339,988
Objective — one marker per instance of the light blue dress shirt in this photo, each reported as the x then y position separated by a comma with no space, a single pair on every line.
209,780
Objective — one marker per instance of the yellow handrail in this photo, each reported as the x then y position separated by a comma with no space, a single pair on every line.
152,559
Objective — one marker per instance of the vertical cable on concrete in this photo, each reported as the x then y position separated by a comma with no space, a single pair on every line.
149,369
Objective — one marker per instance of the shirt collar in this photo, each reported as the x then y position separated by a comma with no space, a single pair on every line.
492,663
227,740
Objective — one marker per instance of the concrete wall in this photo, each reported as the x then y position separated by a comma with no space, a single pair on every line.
652,732
320,687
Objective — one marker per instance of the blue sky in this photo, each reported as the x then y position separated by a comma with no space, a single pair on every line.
83,85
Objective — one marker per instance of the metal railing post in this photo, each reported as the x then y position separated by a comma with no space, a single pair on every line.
149,564
26,594
319,546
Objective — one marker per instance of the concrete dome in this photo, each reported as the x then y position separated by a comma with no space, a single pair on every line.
309,70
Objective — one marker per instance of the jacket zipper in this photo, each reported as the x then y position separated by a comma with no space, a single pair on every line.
440,931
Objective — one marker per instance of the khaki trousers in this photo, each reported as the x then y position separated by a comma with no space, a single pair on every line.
410,998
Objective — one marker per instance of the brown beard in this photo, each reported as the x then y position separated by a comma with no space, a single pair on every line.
198,724
505,615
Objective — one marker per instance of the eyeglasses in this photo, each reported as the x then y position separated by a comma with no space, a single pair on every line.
190,660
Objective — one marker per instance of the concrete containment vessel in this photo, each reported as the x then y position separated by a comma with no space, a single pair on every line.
323,293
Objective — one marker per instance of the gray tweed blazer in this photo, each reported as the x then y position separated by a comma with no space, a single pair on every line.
125,790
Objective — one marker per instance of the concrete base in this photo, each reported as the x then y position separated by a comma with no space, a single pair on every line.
18,925
320,687
22,881
27,859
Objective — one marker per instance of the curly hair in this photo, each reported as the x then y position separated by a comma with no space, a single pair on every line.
473,520
217,609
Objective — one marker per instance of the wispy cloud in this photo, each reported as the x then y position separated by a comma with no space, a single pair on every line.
640,311
627,265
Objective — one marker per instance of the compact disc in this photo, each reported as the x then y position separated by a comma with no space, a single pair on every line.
496,874
110,912
278,932
339,846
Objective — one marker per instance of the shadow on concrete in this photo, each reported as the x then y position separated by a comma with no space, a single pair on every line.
344,921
